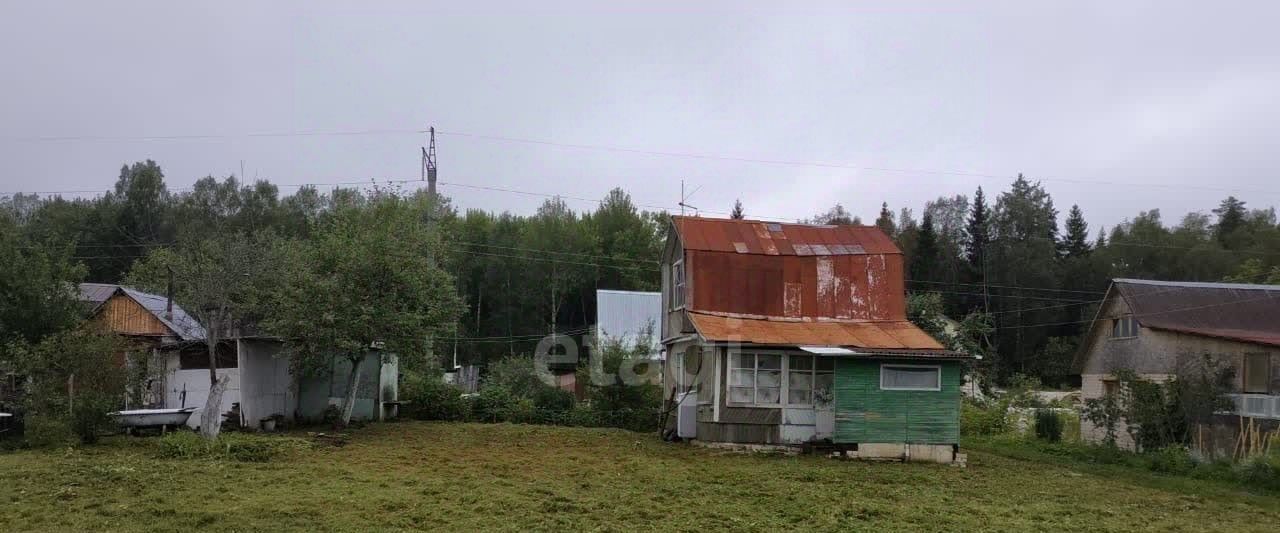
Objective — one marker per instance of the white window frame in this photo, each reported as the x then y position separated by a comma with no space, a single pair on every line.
813,373
678,284
937,368
784,387
1118,323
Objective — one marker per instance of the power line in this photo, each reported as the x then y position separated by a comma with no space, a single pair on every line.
691,155
615,149
994,286
210,137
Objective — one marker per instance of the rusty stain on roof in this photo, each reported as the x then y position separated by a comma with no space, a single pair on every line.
885,335
772,238
795,284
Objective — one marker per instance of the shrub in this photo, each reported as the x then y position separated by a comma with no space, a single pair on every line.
430,398
492,404
984,419
245,447
1048,425
1261,471
553,399
1170,460
74,378
47,432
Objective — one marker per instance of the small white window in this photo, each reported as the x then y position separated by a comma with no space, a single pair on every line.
677,284
910,377
1124,327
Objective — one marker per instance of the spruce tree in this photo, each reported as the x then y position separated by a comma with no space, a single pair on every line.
925,256
1075,243
885,220
977,231
737,213
1230,218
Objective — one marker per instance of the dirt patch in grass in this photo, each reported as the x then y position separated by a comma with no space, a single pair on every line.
417,475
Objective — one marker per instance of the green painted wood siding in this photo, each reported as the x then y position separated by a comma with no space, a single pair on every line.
864,413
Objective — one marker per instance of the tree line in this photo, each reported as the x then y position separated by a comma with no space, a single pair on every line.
515,278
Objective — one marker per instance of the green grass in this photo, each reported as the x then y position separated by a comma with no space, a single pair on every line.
451,476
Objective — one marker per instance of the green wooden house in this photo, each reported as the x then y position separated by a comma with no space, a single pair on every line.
796,335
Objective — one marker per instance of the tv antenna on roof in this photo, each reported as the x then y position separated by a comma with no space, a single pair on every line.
684,197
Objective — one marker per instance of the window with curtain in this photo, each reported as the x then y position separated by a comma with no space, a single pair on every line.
1124,327
910,377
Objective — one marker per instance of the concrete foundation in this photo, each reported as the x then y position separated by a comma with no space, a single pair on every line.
916,453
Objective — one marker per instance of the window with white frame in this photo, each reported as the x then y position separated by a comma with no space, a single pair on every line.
1125,327
677,284
911,377
774,379
809,379
755,378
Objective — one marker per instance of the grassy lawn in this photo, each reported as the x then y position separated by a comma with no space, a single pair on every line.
415,475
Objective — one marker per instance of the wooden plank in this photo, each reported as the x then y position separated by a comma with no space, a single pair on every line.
864,413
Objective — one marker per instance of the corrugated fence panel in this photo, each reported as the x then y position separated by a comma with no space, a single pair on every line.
866,414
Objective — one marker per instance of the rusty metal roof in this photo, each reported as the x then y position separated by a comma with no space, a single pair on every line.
1232,311
898,337
772,238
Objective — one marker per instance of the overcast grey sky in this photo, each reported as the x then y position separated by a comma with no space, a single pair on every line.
1096,99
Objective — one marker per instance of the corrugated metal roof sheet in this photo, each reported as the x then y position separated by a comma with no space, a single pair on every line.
96,293
899,337
771,238
1231,311
624,315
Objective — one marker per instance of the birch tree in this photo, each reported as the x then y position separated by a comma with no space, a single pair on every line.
367,279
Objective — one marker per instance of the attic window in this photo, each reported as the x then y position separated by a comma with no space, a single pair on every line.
1125,327
677,284
774,227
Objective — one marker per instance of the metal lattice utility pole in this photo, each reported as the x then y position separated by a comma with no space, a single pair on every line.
429,164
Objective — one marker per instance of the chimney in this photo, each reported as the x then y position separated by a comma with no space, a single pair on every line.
168,305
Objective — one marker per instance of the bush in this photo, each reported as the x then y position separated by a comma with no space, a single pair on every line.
245,447
74,378
47,432
1048,425
984,419
1170,460
492,404
1262,471
430,398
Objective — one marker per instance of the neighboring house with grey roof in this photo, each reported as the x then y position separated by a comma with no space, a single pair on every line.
169,350
1160,328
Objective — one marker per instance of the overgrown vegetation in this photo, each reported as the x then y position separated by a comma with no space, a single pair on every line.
515,390
75,378
1164,444
232,445
1158,415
